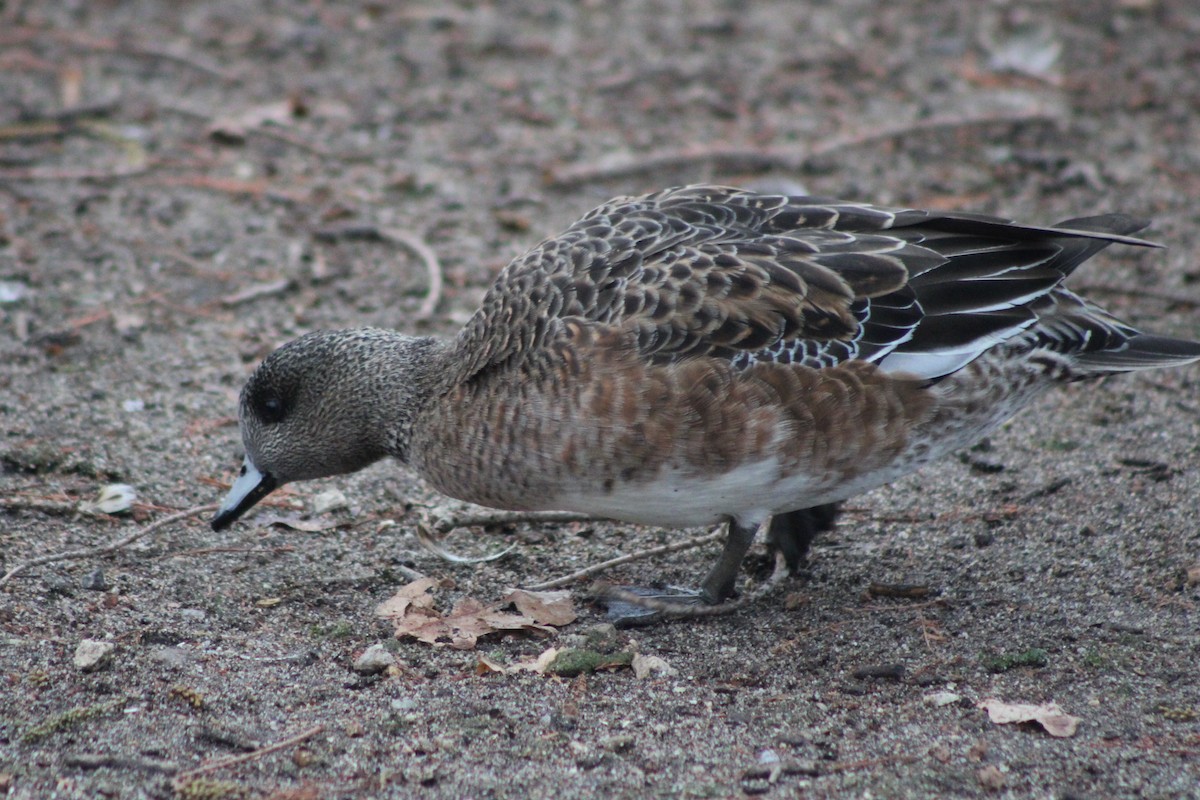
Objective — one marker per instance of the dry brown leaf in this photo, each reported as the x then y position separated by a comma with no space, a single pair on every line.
415,594
539,665
1053,719
235,126
485,665
411,610
547,608
304,525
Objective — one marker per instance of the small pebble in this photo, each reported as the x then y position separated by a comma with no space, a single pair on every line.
373,660
57,584
329,500
92,655
95,581
601,637
940,699
647,666
888,671
991,778
983,539
171,657
618,744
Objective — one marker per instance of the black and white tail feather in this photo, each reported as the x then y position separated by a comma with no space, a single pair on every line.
975,283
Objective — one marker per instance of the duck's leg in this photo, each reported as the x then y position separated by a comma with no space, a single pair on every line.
792,533
718,584
645,606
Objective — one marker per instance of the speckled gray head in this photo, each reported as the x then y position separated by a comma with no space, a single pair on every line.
328,403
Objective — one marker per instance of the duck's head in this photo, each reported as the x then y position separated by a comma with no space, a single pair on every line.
328,403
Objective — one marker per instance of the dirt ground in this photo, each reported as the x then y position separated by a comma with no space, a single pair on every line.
184,186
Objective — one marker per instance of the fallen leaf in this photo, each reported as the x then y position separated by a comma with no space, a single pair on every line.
1053,719
415,594
486,664
234,127
411,610
305,525
539,665
548,608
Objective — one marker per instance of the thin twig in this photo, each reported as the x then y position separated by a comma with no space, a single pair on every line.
432,266
184,777
871,763
732,159
39,174
117,761
91,552
46,506
595,569
22,34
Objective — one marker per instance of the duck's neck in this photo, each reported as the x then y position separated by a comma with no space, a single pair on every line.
405,376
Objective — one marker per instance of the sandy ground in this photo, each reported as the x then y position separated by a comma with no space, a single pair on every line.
184,186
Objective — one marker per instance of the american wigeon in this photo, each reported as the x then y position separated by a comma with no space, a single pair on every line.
706,354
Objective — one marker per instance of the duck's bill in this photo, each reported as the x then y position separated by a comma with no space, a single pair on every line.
250,487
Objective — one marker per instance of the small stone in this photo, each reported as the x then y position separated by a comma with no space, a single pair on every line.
893,672
57,584
602,637
940,699
95,581
983,539
115,498
646,666
171,657
192,614
587,757
991,778
92,655
618,744
329,500
374,659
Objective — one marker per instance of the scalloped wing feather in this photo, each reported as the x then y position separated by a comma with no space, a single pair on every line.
716,272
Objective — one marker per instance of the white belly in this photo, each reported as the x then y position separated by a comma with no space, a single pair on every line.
750,494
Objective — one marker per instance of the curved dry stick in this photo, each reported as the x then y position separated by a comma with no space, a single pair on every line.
183,777
432,266
686,544
124,541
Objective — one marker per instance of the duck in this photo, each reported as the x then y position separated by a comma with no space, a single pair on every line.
707,355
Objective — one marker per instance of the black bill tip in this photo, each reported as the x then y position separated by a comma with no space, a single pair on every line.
250,487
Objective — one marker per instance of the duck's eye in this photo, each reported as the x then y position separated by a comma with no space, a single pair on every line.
270,409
